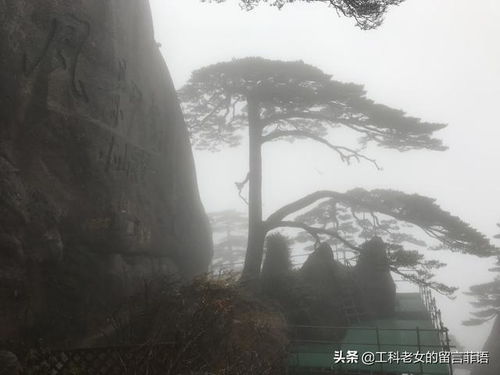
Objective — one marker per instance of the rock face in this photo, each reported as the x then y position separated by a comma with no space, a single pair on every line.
325,279
492,346
9,364
97,183
374,278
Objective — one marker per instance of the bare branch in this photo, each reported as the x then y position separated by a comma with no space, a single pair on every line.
241,185
371,131
300,204
368,14
345,153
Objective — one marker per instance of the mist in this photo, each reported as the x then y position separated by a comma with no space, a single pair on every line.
249,187
438,61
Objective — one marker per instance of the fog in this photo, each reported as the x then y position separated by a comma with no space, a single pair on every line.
437,60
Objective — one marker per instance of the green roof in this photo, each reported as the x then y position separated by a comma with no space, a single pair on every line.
410,330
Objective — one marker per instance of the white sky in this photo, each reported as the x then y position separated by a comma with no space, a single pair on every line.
435,59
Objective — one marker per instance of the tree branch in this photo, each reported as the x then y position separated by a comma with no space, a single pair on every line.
313,231
447,236
368,14
440,288
300,204
297,115
372,132
345,153
214,110
241,185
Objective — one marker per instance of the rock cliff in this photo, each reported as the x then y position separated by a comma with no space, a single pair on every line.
373,276
492,346
97,184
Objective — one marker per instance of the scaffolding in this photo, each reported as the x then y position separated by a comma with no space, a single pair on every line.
415,329
414,341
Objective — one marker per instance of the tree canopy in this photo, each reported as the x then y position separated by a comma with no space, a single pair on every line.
368,14
340,209
295,100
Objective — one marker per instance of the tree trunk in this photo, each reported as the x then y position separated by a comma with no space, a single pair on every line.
256,233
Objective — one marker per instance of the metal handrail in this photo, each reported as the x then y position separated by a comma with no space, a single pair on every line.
369,328
367,343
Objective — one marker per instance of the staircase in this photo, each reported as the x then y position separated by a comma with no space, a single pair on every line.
352,313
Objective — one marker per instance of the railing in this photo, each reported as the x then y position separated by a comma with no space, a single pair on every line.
375,330
436,318
345,256
425,340
429,301
150,359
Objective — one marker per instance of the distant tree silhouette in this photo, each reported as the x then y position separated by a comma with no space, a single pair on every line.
229,228
368,14
292,100
488,300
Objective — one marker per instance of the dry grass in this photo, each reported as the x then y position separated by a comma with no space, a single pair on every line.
215,327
